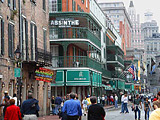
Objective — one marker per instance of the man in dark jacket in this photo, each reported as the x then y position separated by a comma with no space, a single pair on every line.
58,102
95,111
30,108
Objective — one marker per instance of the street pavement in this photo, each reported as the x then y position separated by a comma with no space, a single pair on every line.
111,114
115,115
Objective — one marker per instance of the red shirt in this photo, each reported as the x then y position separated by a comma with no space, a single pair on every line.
155,99
13,113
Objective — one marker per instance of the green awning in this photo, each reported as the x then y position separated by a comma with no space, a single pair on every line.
121,85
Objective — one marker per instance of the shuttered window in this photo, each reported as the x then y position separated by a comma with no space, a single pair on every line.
73,5
12,4
44,5
44,40
24,39
11,40
2,36
33,32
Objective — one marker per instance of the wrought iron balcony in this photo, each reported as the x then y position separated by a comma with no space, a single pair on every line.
43,56
75,33
76,61
115,59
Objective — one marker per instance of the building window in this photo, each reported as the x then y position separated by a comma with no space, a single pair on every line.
44,40
1,37
53,5
79,8
25,39
11,40
73,5
86,3
44,5
33,30
104,53
12,4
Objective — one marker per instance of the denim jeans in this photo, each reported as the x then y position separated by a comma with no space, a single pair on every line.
147,114
122,107
139,113
116,106
125,107
57,107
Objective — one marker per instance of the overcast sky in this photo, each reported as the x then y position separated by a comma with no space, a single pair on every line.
142,6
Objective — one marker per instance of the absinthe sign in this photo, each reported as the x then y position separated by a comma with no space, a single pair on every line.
64,22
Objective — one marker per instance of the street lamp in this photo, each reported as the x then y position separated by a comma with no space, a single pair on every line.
17,54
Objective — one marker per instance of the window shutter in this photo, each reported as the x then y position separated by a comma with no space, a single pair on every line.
14,4
12,40
9,3
9,40
31,30
44,39
35,30
2,37
26,30
22,38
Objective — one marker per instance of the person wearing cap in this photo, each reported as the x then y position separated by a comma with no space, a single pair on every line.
5,94
5,104
12,112
30,108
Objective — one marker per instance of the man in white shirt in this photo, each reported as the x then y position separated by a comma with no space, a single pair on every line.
116,101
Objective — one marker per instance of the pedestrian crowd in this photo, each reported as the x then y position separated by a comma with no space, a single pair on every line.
28,110
71,108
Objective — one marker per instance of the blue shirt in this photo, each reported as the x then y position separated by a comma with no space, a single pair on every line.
58,100
72,107
30,106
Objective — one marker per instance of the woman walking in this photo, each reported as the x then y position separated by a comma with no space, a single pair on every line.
147,107
125,104
85,102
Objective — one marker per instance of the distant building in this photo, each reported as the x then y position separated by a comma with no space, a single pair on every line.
136,42
116,11
151,39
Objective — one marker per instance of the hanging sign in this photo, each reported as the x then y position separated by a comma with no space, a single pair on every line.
43,74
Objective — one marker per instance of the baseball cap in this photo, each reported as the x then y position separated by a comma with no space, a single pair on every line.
6,92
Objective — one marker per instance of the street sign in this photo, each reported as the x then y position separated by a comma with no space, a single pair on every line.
17,72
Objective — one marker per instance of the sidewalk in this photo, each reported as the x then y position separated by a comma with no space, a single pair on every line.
51,117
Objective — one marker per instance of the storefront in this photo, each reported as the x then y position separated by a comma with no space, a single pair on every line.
81,81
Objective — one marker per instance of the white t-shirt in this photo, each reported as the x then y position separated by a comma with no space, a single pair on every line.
103,98
122,98
125,99
116,98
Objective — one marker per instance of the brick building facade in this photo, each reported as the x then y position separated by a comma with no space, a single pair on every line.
34,45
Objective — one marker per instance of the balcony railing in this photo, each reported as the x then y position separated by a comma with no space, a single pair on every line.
115,58
106,73
43,56
75,61
75,33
